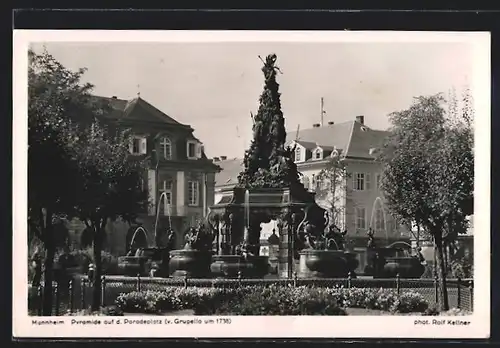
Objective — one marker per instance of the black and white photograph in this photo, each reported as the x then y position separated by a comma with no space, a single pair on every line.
267,184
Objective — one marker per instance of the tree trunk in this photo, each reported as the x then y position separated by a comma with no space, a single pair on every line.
50,248
97,247
418,235
49,276
441,272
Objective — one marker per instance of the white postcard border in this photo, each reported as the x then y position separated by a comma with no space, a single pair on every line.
261,326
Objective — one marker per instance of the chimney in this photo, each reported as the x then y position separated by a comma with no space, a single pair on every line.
114,97
223,158
331,123
216,159
360,119
316,125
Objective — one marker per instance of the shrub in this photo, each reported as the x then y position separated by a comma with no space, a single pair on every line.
142,302
409,302
105,311
456,312
431,311
380,299
462,268
270,300
275,303
202,300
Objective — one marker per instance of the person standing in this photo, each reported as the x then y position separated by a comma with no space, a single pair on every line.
37,266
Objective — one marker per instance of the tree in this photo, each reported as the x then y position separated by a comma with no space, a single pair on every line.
56,97
109,186
331,188
428,173
267,162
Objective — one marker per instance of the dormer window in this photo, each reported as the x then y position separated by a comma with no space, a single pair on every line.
298,154
191,150
194,149
138,145
318,154
166,148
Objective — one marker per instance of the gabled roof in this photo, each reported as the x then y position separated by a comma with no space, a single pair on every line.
229,172
336,135
363,139
136,109
307,144
352,138
325,147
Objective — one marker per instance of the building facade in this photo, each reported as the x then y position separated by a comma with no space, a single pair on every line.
180,179
359,199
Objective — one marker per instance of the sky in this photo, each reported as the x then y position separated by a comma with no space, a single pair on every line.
214,86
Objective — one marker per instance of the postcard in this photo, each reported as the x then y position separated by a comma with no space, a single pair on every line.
238,184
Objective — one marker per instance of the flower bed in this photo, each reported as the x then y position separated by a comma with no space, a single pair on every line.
105,311
272,300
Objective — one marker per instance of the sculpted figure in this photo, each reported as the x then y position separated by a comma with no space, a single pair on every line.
310,242
170,239
371,239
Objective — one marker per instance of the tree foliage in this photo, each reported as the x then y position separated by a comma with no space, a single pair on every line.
332,189
267,162
429,171
109,186
76,166
56,98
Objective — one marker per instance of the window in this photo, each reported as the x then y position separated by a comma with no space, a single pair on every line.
368,185
317,154
194,149
138,146
193,193
313,182
379,220
298,154
360,216
191,150
361,181
167,188
166,148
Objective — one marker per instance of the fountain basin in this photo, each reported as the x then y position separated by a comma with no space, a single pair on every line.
326,264
189,262
388,262
132,265
406,267
230,266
